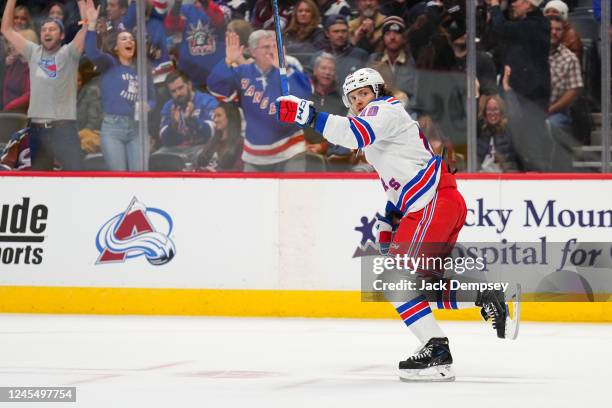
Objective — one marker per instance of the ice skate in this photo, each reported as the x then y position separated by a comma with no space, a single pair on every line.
494,306
432,362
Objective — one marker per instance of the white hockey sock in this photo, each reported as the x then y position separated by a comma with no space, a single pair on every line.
417,315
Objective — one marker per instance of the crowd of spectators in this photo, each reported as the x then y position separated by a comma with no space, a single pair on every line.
214,77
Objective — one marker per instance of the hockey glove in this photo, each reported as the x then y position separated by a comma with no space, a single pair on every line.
383,228
291,109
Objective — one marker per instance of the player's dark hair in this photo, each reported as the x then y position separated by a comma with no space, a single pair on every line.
383,90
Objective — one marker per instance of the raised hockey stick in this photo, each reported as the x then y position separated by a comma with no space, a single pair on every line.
281,51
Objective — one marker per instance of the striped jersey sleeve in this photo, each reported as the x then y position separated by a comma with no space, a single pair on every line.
354,132
222,82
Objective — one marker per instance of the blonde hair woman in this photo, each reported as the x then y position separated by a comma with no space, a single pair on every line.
304,34
494,146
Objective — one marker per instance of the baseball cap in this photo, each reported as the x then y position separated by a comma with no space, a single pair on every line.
335,19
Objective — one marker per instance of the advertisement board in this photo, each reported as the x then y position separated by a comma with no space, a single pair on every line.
257,233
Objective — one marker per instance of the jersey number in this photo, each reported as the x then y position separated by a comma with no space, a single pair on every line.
393,183
371,111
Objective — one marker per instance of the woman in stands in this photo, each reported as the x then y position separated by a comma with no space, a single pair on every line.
119,138
304,34
495,150
22,19
223,151
56,11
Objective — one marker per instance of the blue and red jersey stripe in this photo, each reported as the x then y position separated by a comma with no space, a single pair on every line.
420,184
394,101
390,99
362,130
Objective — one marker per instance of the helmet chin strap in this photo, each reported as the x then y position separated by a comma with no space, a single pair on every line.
375,89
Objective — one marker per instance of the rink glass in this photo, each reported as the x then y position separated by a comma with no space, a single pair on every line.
444,100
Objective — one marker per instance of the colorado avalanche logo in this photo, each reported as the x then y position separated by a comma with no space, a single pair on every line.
48,66
132,234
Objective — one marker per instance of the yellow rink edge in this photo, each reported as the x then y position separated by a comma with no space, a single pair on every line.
252,303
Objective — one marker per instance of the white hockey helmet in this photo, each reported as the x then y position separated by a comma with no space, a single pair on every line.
360,78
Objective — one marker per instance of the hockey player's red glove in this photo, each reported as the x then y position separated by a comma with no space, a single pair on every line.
291,109
383,228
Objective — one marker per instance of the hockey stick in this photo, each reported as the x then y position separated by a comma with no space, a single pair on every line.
281,51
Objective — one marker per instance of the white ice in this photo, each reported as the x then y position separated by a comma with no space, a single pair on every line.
236,362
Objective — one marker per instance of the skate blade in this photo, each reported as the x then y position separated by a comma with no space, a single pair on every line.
514,318
431,374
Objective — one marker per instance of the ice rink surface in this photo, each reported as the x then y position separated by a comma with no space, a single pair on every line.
234,362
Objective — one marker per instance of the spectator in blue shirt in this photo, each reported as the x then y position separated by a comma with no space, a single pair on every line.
199,31
269,145
119,138
187,118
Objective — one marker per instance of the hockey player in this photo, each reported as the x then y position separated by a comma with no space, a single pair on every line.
421,194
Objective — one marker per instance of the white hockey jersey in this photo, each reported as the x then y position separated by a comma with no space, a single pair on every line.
394,144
